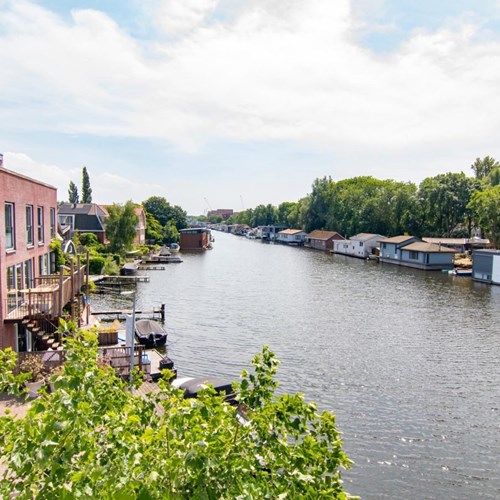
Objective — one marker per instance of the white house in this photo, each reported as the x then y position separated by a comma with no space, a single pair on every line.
291,236
361,245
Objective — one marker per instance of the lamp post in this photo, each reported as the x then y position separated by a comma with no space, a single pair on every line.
133,293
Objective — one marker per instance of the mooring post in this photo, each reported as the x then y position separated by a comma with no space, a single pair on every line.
162,312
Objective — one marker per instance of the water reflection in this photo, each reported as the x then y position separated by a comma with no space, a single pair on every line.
407,360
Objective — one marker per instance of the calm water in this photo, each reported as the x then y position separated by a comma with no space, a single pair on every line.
407,360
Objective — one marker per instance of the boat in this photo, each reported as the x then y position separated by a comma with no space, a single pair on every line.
192,386
150,333
174,247
130,268
172,259
461,272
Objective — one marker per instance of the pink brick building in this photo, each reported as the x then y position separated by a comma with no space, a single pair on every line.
27,225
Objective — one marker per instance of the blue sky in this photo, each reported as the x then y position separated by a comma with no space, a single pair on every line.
245,102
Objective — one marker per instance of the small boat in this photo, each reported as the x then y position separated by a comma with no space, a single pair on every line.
130,268
150,333
174,247
192,386
172,259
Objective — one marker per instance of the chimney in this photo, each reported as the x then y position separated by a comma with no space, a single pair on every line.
1,160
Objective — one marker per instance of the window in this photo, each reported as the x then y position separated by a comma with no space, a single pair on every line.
43,264
9,227
29,225
52,222
11,289
360,243
40,224
28,273
413,255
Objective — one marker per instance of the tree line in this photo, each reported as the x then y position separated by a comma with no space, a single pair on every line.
446,205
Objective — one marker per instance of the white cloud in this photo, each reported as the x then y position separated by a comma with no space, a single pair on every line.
175,17
106,187
288,71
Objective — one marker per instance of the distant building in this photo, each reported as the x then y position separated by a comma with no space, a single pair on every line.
82,218
486,266
460,245
410,251
361,245
195,238
291,236
225,213
322,240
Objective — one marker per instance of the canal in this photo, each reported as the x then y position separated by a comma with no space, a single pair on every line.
407,360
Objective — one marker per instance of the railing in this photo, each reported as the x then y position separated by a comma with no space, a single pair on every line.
117,357
48,297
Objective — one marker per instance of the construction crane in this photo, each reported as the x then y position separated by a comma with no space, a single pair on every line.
208,204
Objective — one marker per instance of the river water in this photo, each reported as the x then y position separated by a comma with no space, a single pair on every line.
407,360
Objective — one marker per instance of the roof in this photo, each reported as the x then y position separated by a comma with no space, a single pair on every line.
291,231
82,209
366,236
490,251
458,241
323,235
398,239
422,246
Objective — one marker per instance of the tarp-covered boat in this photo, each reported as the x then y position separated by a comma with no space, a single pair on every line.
150,333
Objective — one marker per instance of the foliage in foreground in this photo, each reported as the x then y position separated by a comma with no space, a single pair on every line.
93,438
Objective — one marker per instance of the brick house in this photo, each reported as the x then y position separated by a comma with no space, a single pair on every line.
28,283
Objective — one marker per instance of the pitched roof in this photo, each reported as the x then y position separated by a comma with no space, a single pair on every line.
366,236
422,246
82,209
291,231
397,239
457,241
323,235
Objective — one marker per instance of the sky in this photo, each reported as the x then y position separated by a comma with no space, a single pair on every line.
234,103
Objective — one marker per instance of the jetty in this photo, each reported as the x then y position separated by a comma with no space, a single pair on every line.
121,314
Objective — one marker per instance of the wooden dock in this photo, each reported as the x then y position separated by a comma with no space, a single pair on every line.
151,268
122,280
155,313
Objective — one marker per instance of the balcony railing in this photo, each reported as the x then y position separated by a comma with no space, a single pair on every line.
47,298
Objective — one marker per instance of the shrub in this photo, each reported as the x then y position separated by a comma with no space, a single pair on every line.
96,264
94,438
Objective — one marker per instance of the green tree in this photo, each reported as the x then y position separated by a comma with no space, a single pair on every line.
121,226
482,168
163,212
485,205
444,200
319,202
93,438
154,230
73,192
86,190
285,209
170,233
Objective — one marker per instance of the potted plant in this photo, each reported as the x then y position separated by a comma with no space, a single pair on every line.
33,366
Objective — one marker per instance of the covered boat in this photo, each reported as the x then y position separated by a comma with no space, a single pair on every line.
150,333
192,386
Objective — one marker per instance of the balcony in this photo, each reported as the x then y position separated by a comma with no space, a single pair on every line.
47,298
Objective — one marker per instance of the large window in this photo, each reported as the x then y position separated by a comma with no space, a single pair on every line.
413,255
28,274
43,264
10,235
40,224
52,222
29,225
